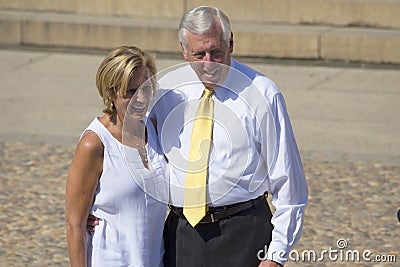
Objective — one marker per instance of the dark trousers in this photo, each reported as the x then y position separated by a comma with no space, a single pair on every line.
233,241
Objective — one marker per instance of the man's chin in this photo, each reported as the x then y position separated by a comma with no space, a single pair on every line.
210,85
211,81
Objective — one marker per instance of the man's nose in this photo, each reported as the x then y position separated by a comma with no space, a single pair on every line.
208,60
207,57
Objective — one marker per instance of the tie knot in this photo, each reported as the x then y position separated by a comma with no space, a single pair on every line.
208,92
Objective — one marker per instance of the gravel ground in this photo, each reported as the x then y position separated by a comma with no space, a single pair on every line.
352,205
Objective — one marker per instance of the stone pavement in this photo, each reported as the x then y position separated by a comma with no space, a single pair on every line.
346,121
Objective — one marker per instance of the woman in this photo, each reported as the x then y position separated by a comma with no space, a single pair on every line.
101,180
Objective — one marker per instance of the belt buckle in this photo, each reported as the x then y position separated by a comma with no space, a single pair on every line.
212,217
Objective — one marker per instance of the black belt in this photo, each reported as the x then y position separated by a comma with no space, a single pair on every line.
215,214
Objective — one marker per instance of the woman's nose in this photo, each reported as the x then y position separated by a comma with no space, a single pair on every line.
140,96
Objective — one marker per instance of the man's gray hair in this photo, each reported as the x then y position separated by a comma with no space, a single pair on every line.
200,19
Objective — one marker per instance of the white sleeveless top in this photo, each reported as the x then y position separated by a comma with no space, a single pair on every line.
131,226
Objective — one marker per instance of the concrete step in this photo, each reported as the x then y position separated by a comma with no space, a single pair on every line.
78,31
158,9
366,13
160,35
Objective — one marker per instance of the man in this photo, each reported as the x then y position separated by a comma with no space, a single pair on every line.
252,151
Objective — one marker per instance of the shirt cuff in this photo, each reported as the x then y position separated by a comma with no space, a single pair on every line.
277,252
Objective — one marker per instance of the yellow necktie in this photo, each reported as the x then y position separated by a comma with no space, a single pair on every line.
196,177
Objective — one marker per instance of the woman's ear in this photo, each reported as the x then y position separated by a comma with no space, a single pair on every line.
113,96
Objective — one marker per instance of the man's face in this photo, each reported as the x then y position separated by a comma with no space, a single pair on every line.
204,51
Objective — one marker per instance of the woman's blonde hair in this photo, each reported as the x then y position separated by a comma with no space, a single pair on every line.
116,70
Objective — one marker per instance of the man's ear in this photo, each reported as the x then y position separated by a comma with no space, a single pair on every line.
231,43
184,52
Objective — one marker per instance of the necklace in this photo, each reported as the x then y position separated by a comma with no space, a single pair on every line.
142,151
143,154
128,139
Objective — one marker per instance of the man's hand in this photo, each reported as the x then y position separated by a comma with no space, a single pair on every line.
92,221
269,263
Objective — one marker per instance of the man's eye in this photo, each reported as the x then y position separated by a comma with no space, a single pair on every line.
217,53
199,55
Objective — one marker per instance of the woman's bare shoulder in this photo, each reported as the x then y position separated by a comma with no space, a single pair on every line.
90,143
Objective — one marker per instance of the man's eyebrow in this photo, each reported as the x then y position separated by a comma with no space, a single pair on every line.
208,50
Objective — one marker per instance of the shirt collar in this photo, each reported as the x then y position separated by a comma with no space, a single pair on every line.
222,92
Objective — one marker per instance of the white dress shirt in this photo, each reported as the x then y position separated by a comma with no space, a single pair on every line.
253,149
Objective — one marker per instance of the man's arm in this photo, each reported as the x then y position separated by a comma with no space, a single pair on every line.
288,186
91,223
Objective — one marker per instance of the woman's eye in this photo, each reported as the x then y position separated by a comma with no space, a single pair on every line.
131,92
146,88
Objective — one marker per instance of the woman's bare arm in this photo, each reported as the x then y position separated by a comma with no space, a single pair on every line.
83,177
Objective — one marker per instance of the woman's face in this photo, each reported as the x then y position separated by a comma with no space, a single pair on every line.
138,95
